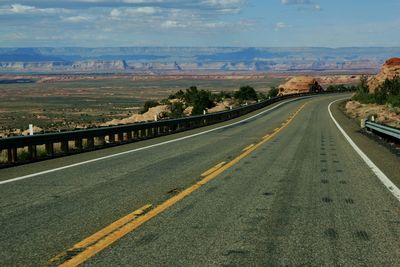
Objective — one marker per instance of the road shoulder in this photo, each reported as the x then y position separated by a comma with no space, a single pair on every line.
386,160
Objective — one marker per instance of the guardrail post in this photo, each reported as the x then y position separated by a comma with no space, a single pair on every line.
129,135
111,138
12,155
90,142
32,151
363,121
49,149
120,137
142,133
78,144
136,134
64,146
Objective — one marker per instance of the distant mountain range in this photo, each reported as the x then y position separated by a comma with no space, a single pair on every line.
153,60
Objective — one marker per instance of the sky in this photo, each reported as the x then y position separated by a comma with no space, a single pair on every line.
237,23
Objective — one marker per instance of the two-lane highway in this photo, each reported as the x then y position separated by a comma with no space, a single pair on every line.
287,189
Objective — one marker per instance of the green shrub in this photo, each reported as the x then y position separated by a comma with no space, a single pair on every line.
246,93
149,104
176,110
221,96
24,155
394,100
273,92
364,98
178,95
201,102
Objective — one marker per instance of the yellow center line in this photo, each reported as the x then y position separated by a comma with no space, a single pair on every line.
102,233
248,147
213,169
122,227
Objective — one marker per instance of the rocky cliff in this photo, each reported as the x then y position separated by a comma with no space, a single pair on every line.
299,84
390,69
78,66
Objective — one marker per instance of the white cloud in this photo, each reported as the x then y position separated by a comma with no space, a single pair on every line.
280,26
17,8
296,2
224,3
169,24
306,4
123,12
25,9
77,19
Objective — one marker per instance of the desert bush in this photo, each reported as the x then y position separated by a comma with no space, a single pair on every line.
341,88
273,92
201,102
221,96
177,109
149,104
386,93
246,93
261,96
178,95
23,155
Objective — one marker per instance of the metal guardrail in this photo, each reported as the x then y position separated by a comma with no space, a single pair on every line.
23,149
383,129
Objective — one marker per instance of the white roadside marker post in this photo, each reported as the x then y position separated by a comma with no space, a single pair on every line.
30,129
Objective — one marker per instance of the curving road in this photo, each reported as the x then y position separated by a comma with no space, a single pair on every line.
287,189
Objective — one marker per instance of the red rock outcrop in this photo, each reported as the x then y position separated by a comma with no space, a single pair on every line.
299,84
390,69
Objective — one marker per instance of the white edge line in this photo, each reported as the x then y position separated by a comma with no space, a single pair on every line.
142,148
382,177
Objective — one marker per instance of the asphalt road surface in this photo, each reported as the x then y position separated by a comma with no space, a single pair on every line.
287,190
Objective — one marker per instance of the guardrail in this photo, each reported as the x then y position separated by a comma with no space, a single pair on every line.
383,129
24,149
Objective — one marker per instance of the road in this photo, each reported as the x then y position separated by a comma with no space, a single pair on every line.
288,190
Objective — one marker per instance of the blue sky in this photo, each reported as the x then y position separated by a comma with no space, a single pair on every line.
286,23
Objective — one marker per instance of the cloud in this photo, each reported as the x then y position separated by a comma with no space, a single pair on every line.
296,2
224,3
80,22
77,19
280,26
25,9
305,3
134,11
172,24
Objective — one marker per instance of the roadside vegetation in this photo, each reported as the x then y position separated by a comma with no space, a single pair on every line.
342,88
194,101
387,93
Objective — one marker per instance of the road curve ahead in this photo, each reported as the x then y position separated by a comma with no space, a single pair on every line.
283,188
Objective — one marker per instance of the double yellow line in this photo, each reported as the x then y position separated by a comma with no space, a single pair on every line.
97,242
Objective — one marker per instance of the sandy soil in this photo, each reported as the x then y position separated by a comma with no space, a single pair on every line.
382,114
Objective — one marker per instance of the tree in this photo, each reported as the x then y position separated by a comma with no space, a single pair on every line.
176,110
246,93
363,87
147,105
316,88
273,92
201,102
